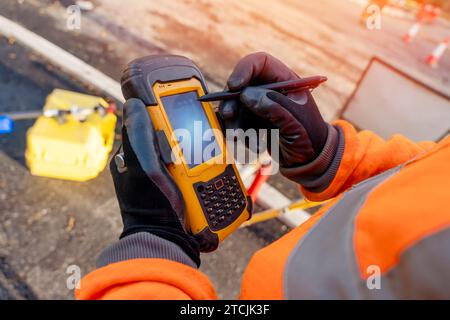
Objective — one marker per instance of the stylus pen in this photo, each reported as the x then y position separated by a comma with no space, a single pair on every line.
283,87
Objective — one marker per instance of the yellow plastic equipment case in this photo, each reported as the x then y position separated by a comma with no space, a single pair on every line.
72,149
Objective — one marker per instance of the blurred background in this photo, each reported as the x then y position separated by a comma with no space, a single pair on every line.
48,224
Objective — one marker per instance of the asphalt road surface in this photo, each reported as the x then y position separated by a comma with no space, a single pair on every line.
35,247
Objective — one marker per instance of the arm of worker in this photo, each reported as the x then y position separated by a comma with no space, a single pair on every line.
143,266
325,159
357,157
155,257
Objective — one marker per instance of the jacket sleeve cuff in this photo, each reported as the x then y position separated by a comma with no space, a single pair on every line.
143,245
317,175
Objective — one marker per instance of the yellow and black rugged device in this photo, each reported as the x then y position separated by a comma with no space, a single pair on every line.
215,197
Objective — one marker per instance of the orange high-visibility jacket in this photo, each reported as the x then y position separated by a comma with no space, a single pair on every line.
390,218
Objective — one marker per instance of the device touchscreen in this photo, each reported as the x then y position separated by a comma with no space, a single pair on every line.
191,127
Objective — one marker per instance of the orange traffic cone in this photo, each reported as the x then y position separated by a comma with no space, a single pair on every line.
438,52
412,32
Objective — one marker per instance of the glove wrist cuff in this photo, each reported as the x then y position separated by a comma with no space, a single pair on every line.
143,245
307,173
186,242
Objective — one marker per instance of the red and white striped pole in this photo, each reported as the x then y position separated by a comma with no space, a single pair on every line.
433,59
262,175
412,32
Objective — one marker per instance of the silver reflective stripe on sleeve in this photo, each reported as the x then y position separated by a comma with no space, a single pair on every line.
323,264
423,271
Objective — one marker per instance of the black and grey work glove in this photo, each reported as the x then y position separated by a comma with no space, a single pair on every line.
149,199
303,132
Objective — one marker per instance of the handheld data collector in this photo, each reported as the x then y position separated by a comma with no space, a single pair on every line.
215,197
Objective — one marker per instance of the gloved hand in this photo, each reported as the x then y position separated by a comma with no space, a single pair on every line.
303,132
149,199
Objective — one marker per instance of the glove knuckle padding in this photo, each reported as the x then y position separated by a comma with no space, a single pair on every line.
259,68
246,70
306,112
